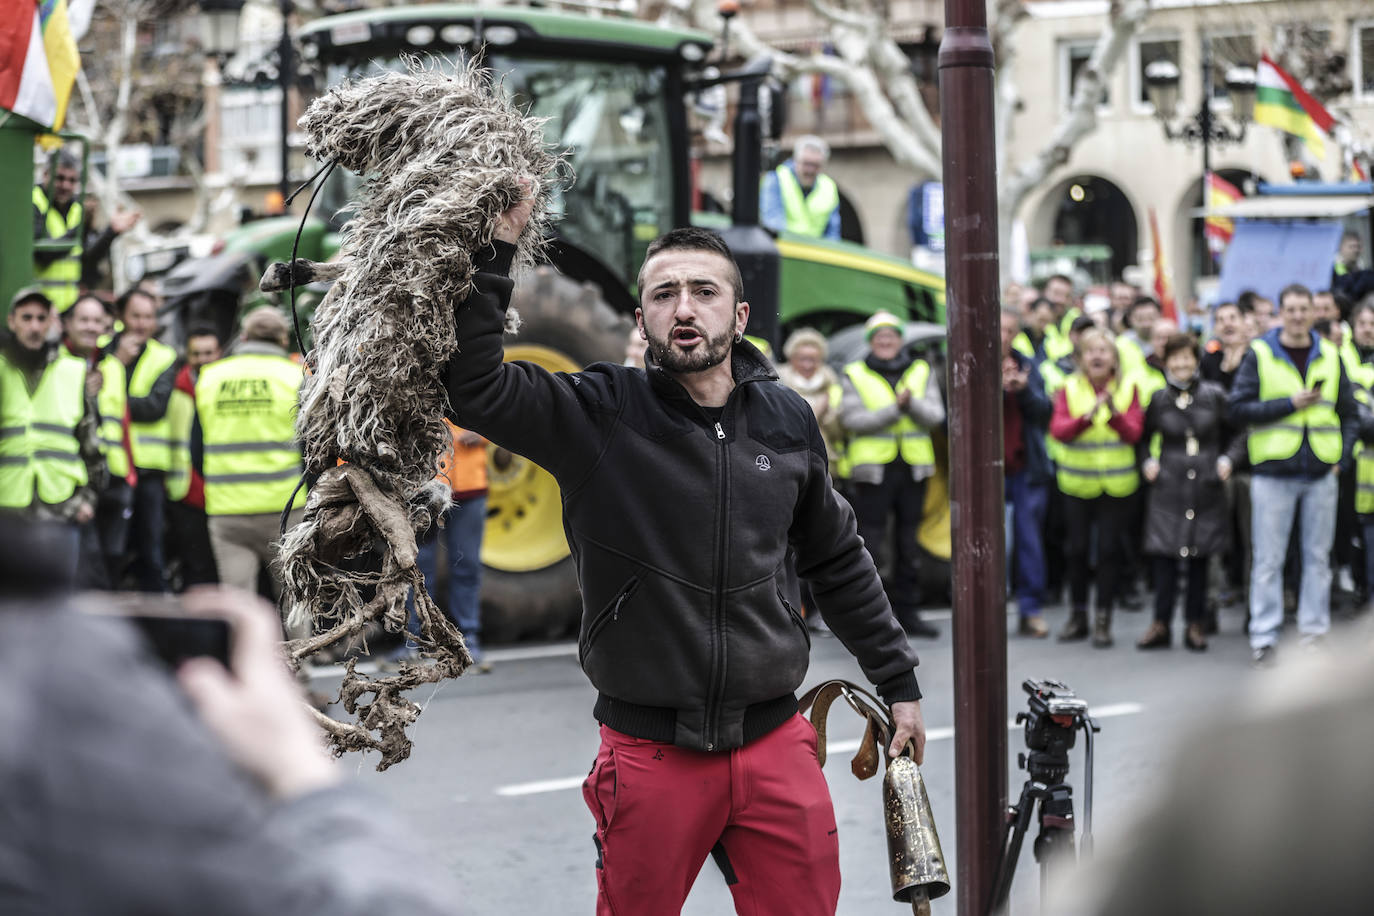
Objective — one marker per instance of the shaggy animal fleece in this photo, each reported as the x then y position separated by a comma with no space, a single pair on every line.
442,155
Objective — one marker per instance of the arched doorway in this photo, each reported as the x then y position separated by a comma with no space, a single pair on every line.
1093,211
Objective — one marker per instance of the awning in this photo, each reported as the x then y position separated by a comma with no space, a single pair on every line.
1266,257
1291,206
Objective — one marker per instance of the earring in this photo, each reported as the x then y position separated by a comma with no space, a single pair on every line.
739,337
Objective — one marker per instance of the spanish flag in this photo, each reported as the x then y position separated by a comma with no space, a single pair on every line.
1280,101
1218,229
1163,290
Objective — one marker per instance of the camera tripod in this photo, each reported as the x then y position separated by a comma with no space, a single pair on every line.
1050,737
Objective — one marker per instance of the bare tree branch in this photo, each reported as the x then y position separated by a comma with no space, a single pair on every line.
1123,21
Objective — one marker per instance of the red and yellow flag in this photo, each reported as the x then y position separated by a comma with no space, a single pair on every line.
1218,230
1163,291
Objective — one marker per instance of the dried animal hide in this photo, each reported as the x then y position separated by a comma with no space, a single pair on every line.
442,156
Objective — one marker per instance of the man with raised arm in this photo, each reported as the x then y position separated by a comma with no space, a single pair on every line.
683,486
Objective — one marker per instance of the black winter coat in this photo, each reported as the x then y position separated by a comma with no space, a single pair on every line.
1186,514
679,526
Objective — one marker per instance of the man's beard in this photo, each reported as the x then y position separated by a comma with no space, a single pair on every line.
712,351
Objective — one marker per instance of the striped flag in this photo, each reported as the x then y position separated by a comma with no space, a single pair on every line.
1218,230
26,86
1163,291
63,58
1281,102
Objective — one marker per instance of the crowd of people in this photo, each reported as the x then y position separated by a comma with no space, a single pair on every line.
1225,465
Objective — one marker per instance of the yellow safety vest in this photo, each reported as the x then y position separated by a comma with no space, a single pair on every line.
181,415
1319,424
1097,462
61,279
1364,469
1148,380
39,451
1071,314
1361,373
1056,344
1130,356
807,214
1054,379
151,441
111,401
905,437
247,406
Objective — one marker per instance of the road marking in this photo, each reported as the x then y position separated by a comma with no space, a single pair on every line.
543,785
1109,711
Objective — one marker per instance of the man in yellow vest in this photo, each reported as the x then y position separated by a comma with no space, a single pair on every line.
189,548
889,404
150,367
798,196
1040,338
62,219
104,549
1293,391
50,463
244,444
1059,290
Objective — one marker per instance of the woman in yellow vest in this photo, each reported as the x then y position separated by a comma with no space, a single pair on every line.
1097,421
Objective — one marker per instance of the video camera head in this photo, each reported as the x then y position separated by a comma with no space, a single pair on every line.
1055,714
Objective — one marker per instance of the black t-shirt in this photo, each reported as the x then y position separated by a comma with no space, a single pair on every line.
1210,369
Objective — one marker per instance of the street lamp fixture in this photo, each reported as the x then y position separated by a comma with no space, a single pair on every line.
1205,127
1162,86
219,27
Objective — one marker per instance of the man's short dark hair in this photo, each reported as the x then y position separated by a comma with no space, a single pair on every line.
1246,301
92,297
1294,289
122,303
1322,326
204,330
692,238
1052,277
1081,324
1040,302
1139,303
1228,305
1349,234
1343,304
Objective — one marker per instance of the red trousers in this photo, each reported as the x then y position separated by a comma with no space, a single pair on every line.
762,811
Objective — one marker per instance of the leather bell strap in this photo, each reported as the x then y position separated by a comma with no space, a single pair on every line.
878,727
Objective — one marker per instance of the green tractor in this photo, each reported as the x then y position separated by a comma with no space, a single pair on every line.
615,94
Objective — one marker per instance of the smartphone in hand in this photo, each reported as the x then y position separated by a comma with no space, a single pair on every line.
164,627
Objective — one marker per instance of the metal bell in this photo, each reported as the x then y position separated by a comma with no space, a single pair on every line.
914,858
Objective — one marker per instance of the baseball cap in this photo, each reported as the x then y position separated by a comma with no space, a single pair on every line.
881,320
28,294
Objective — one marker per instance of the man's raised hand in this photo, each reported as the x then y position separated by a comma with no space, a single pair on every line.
512,223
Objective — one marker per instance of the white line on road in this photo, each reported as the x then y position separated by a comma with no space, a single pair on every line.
831,747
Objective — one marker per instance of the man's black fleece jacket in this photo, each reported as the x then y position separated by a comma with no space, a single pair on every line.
678,527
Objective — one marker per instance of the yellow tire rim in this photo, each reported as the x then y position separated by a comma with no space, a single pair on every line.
524,512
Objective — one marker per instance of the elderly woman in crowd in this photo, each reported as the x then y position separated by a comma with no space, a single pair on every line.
806,373
1097,421
1185,522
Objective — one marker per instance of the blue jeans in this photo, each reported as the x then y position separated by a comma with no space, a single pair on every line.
462,531
1274,501
1028,503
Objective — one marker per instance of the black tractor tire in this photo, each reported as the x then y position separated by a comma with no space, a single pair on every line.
574,319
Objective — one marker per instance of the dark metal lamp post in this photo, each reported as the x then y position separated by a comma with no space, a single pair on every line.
286,69
1205,127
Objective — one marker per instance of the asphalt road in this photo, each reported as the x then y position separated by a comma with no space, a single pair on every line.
493,785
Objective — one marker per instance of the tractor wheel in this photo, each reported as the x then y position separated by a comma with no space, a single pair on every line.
529,587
